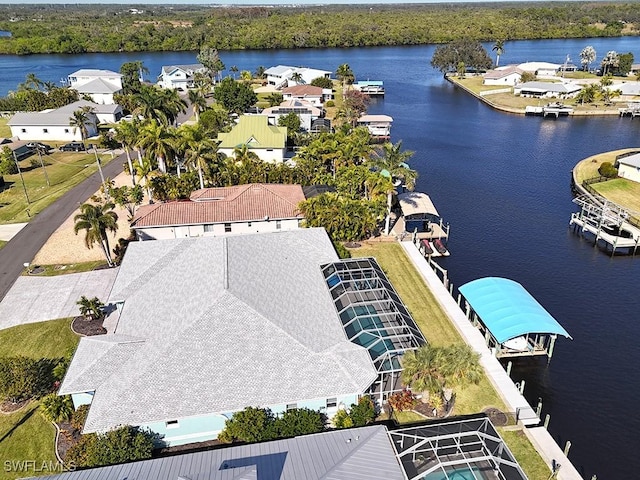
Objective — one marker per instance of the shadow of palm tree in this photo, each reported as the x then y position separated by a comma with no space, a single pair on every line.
24,418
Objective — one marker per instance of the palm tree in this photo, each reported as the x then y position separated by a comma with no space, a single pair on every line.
297,77
31,82
149,104
96,220
90,308
79,121
587,57
390,161
461,365
233,69
245,76
172,105
345,74
198,149
146,173
260,72
57,408
127,136
158,141
498,47
198,103
421,370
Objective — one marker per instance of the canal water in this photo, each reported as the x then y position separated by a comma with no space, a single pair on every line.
503,182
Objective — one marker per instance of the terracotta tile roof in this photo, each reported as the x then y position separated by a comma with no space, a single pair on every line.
303,90
239,203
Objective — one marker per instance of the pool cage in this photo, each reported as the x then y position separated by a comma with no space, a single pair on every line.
374,317
468,449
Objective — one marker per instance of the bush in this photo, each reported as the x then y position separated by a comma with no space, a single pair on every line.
79,417
342,420
330,103
608,170
363,413
122,445
401,401
22,378
341,250
322,82
57,408
299,421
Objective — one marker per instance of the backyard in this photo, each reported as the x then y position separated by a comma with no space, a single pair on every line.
24,434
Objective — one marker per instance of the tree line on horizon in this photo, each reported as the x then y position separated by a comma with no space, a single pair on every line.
78,29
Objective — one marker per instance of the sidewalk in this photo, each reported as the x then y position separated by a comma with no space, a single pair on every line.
539,436
10,230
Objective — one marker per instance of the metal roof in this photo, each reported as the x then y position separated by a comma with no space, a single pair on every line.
415,203
192,304
359,454
254,131
631,160
508,310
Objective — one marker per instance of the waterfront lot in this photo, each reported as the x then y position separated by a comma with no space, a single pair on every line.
65,170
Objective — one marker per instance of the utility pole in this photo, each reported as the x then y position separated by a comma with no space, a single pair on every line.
46,177
104,185
24,187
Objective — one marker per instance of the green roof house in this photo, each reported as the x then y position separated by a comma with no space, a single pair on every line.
268,142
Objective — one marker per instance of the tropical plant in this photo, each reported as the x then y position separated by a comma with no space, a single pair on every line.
260,72
249,425
422,370
245,76
79,417
527,77
79,121
322,82
56,408
342,419
587,57
299,421
197,148
126,133
275,99
91,308
610,62
588,94
132,75
158,140
96,220
498,47
461,365
403,400
608,170
128,198
234,96
297,78
198,102
345,75
210,59
363,412
447,57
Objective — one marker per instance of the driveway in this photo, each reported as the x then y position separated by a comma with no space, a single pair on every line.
35,299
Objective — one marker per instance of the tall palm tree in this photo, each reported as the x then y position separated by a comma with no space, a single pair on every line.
79,121
498,47
125,134
422,369
297,77
198,103
146,173
345,74
158,141
198,149
149,104
390,161
172,105
31,82
96,220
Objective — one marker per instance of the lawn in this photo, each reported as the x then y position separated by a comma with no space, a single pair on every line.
525,453
65,170
588,168
621,191
53,270
25,435
5,131
2,243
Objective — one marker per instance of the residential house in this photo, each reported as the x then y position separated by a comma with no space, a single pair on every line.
540,69
281,75
267,141
100,85
379,126
440,450
508,75
208,326
547,89
307,112
179,76
252,208
309,93
18,147
53,124
629,167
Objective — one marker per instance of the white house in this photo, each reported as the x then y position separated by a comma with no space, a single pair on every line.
240,209
508,75
629,167
179,76
100,85
281,75
208,326
540,69
306,111
53,124
547,89
378,125
267,141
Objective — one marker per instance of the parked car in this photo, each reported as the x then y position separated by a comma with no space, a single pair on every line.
73,147
43,147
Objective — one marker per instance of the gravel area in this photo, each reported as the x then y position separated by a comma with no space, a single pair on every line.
64,246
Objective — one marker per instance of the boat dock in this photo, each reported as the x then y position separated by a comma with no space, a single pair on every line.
551,109
607,222
632,109
370,87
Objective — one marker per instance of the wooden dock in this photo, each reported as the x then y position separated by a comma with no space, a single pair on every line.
632,110
549,110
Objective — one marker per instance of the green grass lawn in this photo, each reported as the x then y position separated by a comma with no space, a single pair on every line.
53,270
2,243
65,170
5,131
25,434
621,191
525,453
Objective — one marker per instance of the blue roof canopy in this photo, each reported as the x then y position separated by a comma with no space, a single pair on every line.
508,310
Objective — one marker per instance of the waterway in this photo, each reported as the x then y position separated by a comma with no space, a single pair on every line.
503,182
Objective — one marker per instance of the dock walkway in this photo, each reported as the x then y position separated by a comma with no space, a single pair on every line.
539,436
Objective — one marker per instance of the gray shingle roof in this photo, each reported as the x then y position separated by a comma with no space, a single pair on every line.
58,116
93,72
360,454
259,300
98,85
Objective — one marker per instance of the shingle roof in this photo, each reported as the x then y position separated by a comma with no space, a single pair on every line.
303,90
254,131
631,160
59,116
188,69
92,72
359,454
98,85
502,72
200,302
240,203
556,87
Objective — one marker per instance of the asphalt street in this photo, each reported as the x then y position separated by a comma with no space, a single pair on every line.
24,246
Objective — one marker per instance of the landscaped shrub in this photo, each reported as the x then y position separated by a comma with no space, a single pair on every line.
22,378
341,250
57,408
342,419
122,445
363,413
299,421
401,401
608,170
322,82
79,417
330,103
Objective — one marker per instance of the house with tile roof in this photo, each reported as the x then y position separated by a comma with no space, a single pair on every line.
179,76
203,330
267,141
309,93
306,111
240,209
508,75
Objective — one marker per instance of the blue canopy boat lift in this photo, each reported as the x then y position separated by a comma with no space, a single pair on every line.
513,322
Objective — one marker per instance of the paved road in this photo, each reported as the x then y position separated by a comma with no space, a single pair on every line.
24,246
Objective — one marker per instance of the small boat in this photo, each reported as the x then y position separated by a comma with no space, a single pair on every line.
518,344
427,247
439,246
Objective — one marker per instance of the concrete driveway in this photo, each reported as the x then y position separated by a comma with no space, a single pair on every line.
35,299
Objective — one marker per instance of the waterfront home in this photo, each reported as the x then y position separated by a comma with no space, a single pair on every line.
179,77
466,447
307,112
379,126
100,85
53,124
309,93
540,69
629,167
255,133
252,208
547,89
508,75
208,326
283,75
628,90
